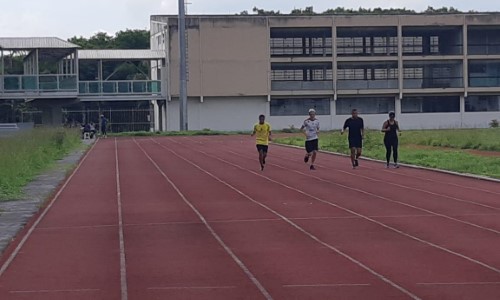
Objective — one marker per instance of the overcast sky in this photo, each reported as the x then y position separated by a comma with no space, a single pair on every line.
63,18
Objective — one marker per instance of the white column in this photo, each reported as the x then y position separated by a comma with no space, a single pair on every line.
462,110
397,106
156,110
333,112
164,116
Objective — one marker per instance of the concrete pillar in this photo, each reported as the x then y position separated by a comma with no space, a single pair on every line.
156,110
164,116
333,112
462,111
397,106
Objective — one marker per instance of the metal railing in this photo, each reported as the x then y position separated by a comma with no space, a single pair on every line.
484,81
121,87
38,83
375,84
433,83
301,85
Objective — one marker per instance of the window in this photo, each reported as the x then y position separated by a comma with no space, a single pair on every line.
482,103
365,105
299,106
301,72
430,104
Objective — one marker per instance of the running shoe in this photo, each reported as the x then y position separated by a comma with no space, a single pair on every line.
306,158
262,167
356,163
387,166
396,166
312,168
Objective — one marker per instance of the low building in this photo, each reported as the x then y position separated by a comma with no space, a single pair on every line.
434,71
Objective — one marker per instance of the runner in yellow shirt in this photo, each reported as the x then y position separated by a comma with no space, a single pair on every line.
262,131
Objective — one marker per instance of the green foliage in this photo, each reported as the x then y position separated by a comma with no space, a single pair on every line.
24,156
494,123
309,11
112,70
425,148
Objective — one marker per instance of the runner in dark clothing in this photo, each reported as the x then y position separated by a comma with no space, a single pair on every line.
356,133
391,141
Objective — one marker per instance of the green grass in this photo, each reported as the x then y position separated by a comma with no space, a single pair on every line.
26,155
453,158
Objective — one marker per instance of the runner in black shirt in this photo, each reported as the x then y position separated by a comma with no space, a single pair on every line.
391,141
356,133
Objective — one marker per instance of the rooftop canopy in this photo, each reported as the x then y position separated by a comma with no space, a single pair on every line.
119,54
33,43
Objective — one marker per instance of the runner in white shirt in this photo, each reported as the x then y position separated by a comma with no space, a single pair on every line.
310,128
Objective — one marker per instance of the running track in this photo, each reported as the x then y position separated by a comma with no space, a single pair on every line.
194,218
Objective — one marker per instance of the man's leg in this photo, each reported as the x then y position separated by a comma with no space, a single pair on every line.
353,156
261,159
388,147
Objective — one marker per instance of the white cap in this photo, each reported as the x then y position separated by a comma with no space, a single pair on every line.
312,110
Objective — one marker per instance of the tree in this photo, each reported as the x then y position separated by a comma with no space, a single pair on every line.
309,11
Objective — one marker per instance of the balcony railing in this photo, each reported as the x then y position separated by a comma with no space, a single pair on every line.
484,81
301,85
376,84
301,51
122,87
433,50
38,83
433,83
484,49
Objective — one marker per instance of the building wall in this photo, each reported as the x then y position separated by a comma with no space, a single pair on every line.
231,67
219,113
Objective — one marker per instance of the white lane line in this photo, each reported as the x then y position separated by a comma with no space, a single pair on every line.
325,285
238,261
381,197
123,262
438,171
16,251
192,288
77,227
401,186
485,265
55,291
458,283
290,222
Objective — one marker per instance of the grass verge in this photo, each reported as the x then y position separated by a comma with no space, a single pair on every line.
452,158
24,156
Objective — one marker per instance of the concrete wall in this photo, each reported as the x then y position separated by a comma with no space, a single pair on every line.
219,113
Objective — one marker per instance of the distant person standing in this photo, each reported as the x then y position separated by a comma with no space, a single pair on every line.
310,128
391,141
262,131
104,126
356,134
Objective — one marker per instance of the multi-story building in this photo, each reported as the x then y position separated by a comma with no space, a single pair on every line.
434,71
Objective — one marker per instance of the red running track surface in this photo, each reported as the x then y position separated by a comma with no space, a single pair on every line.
195,218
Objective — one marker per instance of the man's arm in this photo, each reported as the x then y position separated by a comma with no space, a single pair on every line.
362,129
385,127
303,128
345,126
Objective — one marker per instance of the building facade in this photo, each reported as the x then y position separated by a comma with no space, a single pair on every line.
434,71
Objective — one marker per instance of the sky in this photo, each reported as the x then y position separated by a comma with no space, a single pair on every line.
64,19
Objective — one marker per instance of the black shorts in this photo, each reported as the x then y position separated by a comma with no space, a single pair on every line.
356,143
312,146
263,148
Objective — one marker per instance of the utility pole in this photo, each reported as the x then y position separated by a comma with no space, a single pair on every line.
183,68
